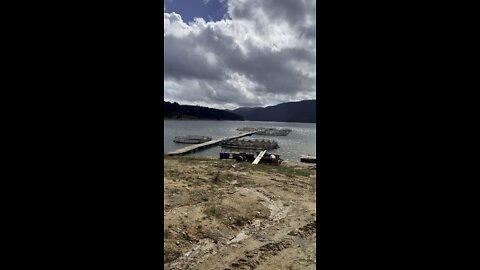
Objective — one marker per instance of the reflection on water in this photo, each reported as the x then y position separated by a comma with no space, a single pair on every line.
301,141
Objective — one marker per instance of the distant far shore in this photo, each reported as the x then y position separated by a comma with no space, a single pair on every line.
198,119
293,112
207,119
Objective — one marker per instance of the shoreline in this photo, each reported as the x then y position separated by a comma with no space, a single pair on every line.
283,164
204,119
199,119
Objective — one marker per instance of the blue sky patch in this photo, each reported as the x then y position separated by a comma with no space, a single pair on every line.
211,10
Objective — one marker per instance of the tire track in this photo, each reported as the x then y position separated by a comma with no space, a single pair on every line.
255,257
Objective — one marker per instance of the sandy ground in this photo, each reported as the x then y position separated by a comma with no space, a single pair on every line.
220,214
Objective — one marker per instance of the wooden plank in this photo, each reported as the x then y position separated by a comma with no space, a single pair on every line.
211,143
259,157
193,147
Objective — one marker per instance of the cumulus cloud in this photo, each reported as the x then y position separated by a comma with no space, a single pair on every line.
262,53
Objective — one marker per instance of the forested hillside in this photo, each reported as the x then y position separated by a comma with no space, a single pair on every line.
177,111
301,111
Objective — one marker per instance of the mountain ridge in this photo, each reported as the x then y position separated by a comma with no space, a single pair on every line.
303,111
177,111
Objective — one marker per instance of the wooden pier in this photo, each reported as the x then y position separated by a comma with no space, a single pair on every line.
205,145
259,157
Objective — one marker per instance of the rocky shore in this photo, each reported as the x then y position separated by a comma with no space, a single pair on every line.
220,214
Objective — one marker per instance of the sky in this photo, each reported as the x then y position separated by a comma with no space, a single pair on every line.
239,53
212,10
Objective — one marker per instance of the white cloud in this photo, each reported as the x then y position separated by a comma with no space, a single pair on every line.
263,54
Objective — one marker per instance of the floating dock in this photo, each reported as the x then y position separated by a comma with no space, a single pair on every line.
308,159
267,158
250,144
205,145
192,139
268,131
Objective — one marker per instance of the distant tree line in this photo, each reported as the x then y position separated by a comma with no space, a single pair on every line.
177,111
301,111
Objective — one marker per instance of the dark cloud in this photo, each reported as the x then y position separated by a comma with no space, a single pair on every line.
264,55
184,59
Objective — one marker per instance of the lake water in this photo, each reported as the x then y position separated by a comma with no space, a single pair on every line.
301,141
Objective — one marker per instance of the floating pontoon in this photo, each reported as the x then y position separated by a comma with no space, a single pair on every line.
192,139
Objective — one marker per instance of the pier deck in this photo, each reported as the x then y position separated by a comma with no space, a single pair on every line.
208,144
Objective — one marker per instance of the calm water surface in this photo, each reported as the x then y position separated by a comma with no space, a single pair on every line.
301,141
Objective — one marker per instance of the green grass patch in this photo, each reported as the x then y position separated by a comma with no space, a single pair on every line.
287,171
216,178
213,211
240,221
184,159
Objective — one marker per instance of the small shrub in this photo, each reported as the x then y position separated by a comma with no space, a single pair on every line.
216,179
196,182
213,211
240,221
170,255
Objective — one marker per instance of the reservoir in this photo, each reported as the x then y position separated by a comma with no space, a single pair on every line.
300,141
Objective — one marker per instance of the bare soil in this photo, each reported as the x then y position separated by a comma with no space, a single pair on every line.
220,214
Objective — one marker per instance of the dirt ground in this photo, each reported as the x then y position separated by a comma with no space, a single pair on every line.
220,214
